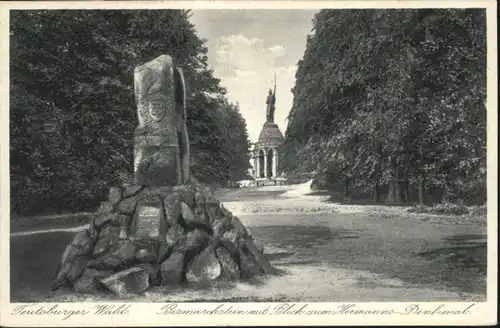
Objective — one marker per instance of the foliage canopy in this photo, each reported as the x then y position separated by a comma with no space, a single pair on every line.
384,96
72,110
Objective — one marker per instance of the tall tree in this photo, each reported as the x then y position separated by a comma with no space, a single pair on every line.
72,101
389,97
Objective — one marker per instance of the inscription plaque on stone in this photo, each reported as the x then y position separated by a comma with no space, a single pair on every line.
148,222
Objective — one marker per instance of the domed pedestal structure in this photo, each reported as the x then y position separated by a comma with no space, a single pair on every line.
265,155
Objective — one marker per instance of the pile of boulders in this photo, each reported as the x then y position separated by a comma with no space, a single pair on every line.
199,241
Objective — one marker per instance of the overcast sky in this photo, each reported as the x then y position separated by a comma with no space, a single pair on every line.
246,47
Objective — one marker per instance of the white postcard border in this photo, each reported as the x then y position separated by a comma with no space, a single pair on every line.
150,314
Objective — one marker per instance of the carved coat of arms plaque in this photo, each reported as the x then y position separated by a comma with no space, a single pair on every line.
157,109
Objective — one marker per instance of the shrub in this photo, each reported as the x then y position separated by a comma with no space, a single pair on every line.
443,209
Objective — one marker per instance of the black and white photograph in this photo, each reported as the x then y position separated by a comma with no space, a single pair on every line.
226,155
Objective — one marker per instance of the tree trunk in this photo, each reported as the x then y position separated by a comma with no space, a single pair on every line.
394,195
376,193
346,189
407,191
421,190
446,194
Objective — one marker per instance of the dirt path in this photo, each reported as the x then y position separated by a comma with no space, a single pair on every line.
340,258
379,252
329,253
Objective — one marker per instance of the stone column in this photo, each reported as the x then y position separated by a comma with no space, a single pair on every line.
265,163
253,165
156,144
257,167
275,163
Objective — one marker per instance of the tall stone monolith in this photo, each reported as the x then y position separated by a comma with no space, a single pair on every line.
161,144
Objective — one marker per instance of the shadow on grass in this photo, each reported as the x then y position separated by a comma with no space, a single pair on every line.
302,237
464,250
461,258
34,261
277,256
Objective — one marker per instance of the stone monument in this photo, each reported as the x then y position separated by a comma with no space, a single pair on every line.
161,143
161,231
265,154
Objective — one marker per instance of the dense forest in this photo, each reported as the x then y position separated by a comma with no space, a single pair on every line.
73,114
390,106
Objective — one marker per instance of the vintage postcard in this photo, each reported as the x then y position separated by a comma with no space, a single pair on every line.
248,163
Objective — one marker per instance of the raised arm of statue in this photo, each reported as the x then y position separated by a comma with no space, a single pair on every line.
274,92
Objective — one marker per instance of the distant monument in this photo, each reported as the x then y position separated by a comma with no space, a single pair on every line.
265,154
161,143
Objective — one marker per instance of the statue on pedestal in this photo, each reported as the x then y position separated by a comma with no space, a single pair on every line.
271,101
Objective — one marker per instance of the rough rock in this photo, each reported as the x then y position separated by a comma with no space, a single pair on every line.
130,281
145,255
123,233
258,245
241,243
126,250
199,210
171,270
200,203
105,243
210,197
74,259
69,255
204,267
187,213
190,218
105,217
196,239
89,281
84,241
231,235
154,192
173,234
239,227
165,250
120,220
220,227
226,213
230,269
109,231
259,258
76,269
127,206
230,247
106,207
115,195
213,213
186,194
123,253
131,190
248,266
153,271
172,207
